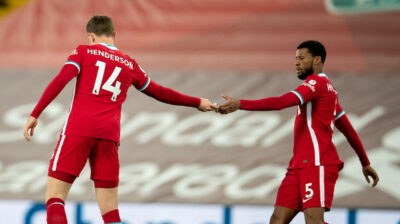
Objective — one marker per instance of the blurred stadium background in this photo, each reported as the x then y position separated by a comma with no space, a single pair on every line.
180,166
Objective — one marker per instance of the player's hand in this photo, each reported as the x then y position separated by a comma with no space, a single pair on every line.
231,105
206,105
30,127
368,171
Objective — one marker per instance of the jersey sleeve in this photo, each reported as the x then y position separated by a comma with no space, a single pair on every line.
144,84
270,103
67,73
170,96
140,79
308,90
76,58
339,112
70,69
343,124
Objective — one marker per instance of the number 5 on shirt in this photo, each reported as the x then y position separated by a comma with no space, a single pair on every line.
108,84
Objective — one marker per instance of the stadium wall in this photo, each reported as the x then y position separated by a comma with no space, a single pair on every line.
207,35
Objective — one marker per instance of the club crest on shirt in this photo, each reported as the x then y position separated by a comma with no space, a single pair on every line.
312,82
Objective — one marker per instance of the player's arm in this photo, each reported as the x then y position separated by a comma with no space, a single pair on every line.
144,84
270,103
301,95
68,72
70,69
344,125
52,90
170,96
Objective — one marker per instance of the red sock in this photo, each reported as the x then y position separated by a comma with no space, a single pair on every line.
112,217
55,211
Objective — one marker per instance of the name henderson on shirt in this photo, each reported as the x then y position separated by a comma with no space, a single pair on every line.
112,57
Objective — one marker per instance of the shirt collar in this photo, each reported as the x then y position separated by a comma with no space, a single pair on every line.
112,47
323,75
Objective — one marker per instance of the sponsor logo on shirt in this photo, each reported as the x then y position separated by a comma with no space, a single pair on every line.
309,86
331,88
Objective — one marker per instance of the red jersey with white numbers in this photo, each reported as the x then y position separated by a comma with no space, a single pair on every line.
104,75
102,80
101,88
315,119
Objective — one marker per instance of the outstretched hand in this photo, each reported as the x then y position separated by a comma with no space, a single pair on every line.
30,127
206,105
231,105
368,171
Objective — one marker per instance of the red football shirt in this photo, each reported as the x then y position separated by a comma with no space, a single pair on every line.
102,81
315,119
104,75
318,111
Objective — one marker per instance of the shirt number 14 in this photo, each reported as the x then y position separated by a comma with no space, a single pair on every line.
108,84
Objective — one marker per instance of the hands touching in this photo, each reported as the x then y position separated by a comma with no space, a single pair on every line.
368,171
231,105
30,127
206,105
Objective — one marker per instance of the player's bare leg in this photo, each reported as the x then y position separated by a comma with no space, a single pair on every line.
107,199
56,193
57,189
314,215
282,215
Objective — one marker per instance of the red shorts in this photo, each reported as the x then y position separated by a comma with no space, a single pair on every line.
308,187
72,152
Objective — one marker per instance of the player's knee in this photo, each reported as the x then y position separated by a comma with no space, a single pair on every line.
313,218
277,218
